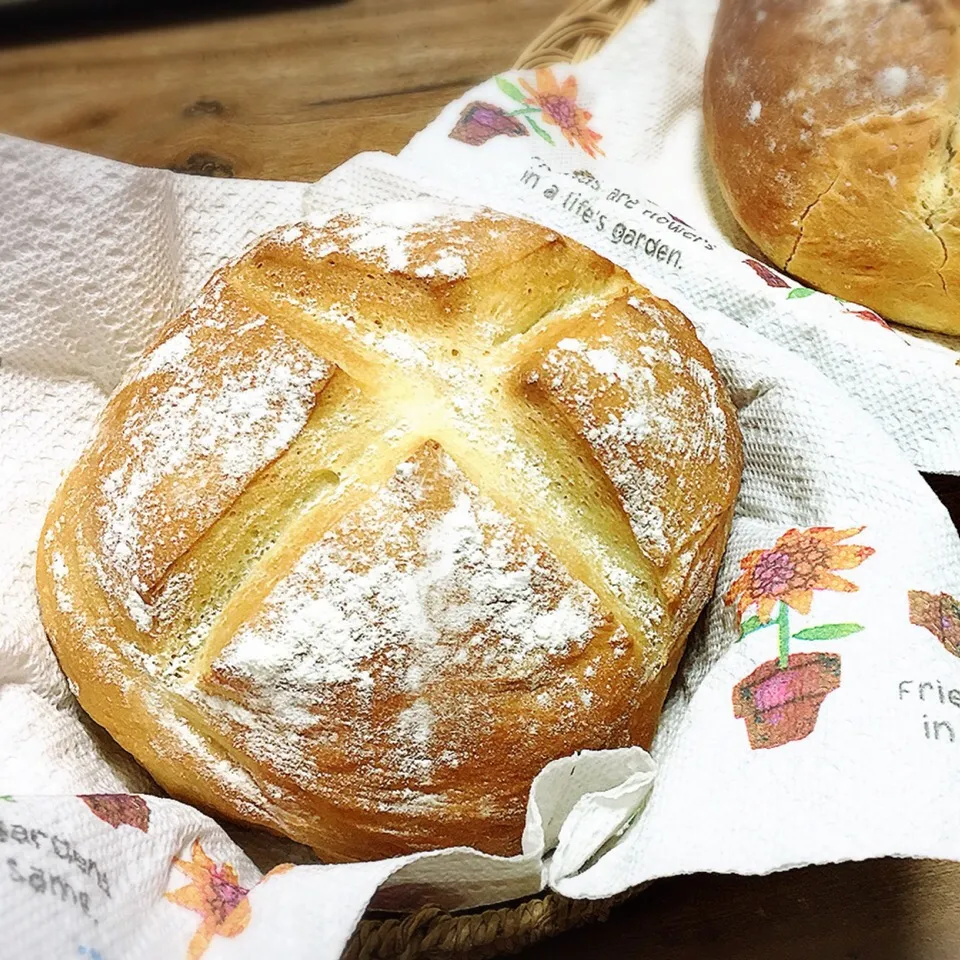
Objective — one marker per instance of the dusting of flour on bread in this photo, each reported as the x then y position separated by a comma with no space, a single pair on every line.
396,236
427,580
637,418
206,409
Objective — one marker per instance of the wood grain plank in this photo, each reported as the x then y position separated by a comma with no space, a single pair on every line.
876,910
284,95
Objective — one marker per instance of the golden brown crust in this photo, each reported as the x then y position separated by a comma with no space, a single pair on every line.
832,128
404,509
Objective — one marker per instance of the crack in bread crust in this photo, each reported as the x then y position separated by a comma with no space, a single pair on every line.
831,129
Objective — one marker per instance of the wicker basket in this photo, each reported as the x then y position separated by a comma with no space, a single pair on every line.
578,33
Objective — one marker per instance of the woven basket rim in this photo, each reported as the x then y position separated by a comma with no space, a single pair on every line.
574,36
476,934
579,32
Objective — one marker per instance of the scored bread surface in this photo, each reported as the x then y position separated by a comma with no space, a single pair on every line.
407,505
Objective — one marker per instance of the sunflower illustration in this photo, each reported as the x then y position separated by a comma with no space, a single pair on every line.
800,562
215,893
780,699
558,107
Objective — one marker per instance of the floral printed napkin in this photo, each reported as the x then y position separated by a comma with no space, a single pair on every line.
813,715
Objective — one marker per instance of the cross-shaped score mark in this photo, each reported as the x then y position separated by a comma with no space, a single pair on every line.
446,362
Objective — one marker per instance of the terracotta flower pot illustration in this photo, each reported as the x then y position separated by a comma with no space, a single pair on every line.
781,704
938,613
767,275
480,122
869,315
780,700
119,808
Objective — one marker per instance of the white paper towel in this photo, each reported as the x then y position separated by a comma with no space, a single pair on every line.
827,733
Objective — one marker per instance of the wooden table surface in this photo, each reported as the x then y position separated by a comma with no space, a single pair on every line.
290,94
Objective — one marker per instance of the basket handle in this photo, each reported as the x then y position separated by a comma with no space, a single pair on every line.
579,32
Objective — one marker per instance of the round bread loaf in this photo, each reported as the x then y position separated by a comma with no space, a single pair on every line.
405,507
832,127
